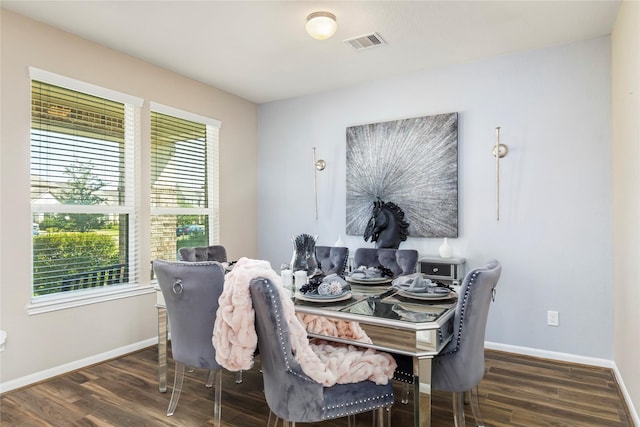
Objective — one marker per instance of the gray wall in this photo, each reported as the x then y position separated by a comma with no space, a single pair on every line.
554,235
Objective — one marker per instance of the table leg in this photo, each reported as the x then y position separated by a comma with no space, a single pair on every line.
162,349
422,392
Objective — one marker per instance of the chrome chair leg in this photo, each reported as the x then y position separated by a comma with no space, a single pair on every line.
217,403
210,379
381,417
406,389
275,419
458,408
178,380
238,377
475,407
378,420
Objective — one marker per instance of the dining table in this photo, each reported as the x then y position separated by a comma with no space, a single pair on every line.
395,322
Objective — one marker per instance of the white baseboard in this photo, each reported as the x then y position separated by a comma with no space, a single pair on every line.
72,366
554,355
573,358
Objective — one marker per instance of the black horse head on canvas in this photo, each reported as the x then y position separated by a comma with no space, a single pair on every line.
386,226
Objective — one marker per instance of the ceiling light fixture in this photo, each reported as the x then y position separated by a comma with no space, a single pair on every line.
321,25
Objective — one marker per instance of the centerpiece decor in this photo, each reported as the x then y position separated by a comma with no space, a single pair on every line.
304,254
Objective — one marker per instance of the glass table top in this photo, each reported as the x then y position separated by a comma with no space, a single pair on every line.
389,305
398,308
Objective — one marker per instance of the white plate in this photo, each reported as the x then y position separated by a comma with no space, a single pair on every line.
425,296
370,281
323,298
423,291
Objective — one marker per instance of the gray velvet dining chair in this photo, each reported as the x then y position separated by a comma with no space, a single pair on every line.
400,261
203,253
291,395
206,253
459,367
332,259
191,291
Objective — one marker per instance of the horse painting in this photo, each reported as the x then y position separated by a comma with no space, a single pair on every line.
386,226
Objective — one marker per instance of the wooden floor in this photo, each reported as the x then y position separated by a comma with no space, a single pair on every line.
516,391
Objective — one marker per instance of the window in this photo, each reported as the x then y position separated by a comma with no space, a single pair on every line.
184,181
82,187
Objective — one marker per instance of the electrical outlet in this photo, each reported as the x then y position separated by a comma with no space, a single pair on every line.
552,318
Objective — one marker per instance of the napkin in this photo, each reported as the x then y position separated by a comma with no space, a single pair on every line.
364,272
416,283
332,284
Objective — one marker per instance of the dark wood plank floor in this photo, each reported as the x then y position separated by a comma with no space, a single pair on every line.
516,391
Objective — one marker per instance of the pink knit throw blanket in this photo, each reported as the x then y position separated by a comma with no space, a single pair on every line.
235,339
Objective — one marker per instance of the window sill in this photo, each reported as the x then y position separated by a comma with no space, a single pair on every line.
58,302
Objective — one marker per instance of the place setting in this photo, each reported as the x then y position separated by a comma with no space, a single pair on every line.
324,289
370,280
417,287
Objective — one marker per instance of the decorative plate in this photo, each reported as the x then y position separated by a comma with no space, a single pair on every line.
434,290
425,296
323,298
370,280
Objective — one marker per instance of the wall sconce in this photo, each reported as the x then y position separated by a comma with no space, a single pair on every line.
499,151
321,25
318,165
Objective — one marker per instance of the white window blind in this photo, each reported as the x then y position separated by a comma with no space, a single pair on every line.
82,187
184,181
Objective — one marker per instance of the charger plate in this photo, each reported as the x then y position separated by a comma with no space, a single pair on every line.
426,296
369,281
323,298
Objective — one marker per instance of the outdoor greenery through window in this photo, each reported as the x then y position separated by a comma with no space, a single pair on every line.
184,196
84,173
82,197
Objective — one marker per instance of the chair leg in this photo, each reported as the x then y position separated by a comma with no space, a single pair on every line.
406,389
238,377
458,408
351,420
210,378
177,388
379,416
378,420
217,403
475,407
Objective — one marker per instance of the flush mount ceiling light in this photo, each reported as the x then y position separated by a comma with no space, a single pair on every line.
321,25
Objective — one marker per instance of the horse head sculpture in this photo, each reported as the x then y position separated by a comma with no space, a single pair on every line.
386,226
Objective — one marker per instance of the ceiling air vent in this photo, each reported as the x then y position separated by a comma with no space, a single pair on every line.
365,42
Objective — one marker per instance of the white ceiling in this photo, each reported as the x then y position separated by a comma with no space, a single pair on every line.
259,49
